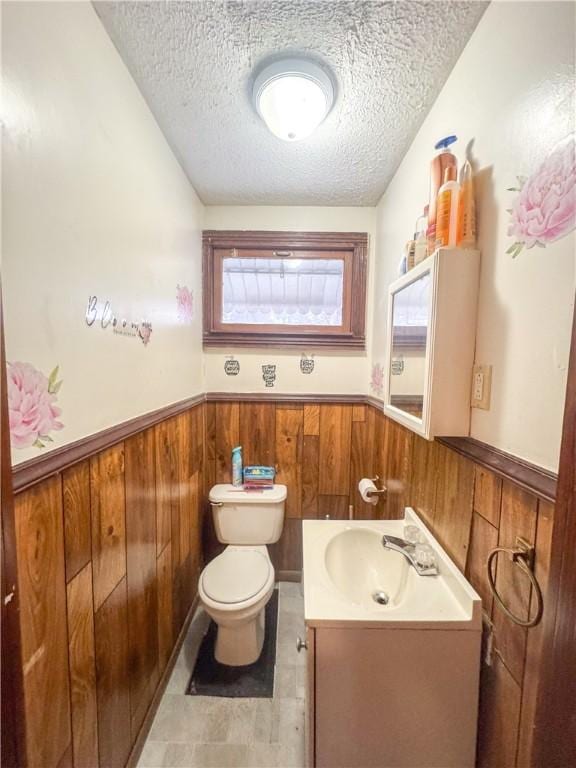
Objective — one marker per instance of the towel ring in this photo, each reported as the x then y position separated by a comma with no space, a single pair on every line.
523,556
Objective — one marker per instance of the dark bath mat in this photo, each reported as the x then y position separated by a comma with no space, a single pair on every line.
254,681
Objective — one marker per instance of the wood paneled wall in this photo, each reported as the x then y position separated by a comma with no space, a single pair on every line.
322,451
109,553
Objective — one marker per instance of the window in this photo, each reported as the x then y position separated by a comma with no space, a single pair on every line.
289,289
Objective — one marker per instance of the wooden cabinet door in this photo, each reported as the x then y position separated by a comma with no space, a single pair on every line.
310,698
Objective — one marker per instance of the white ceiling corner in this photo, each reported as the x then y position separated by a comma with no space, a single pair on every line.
194,63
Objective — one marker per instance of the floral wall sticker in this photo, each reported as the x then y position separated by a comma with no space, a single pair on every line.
377,379
545,209
184,304
33,414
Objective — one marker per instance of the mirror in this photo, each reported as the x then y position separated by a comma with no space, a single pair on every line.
410,328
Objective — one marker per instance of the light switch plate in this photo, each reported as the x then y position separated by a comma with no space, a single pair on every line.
481,386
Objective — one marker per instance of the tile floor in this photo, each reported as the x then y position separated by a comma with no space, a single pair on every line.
212,732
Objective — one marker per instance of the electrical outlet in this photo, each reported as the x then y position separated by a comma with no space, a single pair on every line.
481,386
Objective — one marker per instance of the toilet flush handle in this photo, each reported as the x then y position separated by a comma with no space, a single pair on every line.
217,503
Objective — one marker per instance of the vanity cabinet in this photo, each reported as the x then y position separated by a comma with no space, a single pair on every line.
431,335
380,698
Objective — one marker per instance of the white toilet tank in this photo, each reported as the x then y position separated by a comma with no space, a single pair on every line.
248,517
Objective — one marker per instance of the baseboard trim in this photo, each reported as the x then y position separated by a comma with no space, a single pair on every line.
138,745
290,576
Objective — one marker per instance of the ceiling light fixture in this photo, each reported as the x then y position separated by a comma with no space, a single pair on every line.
293,96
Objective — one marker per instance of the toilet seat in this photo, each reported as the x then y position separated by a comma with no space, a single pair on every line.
237,575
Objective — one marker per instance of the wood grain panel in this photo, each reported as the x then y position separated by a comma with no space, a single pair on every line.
500,697
453,510
310,470
76,502
165,624
424,478
185,486
286,554
66,761
166,465
535,648
107,501
396,477
361,464
258,433
210,436
141,573
487,495
42,586
359,413
312,419
82,669
227,436
336,507
196,416
112,676
517,518
195,530
335,440
483,539
289,439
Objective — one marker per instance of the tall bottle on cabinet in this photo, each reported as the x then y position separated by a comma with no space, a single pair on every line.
443,160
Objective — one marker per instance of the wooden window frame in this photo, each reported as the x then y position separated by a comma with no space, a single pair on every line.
353,246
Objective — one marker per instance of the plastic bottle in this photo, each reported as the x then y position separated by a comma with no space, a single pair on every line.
466,236
443,160
237,466
447,209
421,247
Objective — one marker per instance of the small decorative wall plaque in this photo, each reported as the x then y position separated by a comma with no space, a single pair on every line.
397,366
120,326
306,363
269,375
232,367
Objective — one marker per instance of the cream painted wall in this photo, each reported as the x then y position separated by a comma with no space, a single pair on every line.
94,202
338,373
511,95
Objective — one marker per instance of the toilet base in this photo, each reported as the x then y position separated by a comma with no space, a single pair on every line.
238,645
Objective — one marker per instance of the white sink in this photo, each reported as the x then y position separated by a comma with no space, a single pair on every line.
363,571
346,566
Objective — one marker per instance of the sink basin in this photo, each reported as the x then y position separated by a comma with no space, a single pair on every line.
351,579
363,571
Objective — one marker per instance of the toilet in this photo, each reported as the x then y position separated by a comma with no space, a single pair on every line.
235,586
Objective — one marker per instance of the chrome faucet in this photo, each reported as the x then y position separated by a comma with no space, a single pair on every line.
408,549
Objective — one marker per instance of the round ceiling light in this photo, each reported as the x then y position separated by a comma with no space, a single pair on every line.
293,96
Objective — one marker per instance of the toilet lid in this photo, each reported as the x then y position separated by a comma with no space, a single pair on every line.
236,575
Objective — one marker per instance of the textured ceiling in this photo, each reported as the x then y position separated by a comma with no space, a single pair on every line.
194,63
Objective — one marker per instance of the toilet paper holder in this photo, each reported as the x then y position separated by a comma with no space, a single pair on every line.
378,491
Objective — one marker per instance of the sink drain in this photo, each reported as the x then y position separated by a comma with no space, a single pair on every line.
381,598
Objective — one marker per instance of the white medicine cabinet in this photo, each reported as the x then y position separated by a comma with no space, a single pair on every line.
431,335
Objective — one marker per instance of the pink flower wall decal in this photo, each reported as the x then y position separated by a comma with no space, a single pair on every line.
545,209
31,409
184,304
377,379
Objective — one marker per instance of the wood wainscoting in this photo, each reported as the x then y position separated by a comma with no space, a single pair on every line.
472,497
109,552
109,534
